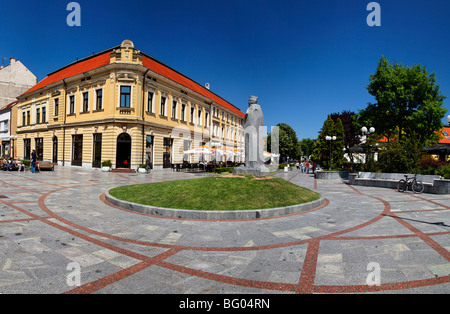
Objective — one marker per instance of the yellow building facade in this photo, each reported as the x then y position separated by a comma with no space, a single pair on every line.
124,106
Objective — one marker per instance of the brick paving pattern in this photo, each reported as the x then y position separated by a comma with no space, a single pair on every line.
51,219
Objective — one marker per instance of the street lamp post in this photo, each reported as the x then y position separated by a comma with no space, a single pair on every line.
330,138
366,133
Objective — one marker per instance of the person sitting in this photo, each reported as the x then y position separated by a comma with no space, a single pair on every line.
20,165
11,164
6,165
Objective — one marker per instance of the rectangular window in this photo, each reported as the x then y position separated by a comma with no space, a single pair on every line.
125,96
163,106
38,115
167,152
56,107
149,102
183,112
99,99
44,114
72,104
174,109
192,115
28,117
24,118
186,147
149,151
39,145
27,148
199,121
86,102
97,158
77,150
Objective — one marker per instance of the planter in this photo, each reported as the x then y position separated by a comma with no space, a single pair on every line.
215,215
331,175
106,169
142,170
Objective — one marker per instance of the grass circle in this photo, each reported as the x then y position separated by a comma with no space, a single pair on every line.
217,193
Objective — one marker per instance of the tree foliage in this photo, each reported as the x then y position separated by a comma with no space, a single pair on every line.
352,130
307,146
408,112
408,101
289,145
322,147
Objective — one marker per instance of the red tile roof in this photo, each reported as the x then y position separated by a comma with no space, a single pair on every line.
8,106
169,73
445,132
445,139
73,69
103,58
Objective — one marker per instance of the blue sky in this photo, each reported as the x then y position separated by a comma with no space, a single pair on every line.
303,59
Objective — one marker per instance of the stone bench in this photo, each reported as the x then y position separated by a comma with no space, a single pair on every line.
432,183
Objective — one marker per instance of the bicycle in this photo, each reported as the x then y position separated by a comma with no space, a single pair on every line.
416,186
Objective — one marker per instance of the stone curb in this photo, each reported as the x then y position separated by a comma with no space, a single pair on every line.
214,214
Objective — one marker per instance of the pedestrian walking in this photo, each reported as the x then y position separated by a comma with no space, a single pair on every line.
307,167
33,161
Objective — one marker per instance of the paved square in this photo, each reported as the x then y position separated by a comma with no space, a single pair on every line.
51,219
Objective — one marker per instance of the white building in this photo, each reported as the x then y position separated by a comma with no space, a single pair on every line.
5,129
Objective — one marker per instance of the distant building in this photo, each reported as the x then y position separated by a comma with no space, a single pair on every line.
15,79
124,106
441,150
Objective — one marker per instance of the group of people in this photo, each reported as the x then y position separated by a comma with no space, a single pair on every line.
306,166
7,165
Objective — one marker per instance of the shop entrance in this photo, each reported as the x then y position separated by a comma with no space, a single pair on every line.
123,153
167,152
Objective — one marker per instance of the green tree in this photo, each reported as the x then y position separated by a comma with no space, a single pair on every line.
337,154
307,146
288,142
408,102
351,129
322,147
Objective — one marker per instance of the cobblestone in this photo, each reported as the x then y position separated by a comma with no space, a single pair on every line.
51,219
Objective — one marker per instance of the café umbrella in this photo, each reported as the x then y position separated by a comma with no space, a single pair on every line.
203,150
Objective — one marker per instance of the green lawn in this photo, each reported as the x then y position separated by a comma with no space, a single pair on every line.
217,193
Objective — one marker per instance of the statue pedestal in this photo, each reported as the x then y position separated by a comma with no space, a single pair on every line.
260,171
